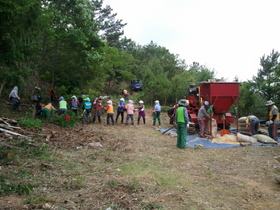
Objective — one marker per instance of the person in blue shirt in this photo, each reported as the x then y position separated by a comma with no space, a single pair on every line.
87,110
156,113
121,109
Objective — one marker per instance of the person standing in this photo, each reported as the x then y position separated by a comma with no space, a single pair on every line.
130,112
97,106
156,113
273,119
125,94
171,114
203,118
120,110
182,120
110,112
74,104
87,110
13,96
141,112
52,95
62,106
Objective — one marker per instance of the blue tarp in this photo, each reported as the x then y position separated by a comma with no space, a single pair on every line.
194,139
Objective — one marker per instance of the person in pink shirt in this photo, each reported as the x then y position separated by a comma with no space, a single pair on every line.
130,112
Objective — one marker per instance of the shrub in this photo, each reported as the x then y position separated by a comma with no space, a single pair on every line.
66,120
30,123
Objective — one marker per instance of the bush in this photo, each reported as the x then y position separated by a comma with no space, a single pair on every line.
30,123
68,119
8,188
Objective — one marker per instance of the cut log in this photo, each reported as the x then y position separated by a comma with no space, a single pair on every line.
16,134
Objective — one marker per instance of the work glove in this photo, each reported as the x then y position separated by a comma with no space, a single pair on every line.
188,125
269,122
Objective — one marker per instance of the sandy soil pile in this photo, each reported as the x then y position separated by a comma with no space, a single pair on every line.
227,138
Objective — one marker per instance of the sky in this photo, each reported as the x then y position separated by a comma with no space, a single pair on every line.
227,36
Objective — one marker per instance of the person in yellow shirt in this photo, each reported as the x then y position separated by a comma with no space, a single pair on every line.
46,111
125,94
110,112
273,120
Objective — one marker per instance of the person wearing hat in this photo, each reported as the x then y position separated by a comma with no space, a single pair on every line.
87,110
182,120
97,106
273,120
74,104
120,110
62,106
141,112
156,113
110,112
13,96
130,112
203,118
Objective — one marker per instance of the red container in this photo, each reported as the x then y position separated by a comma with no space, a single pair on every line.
222,95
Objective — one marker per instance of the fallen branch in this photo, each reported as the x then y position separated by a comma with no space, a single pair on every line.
9,127
16,134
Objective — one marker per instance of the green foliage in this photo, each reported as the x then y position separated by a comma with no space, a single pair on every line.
30,123
113,183
201,73
250,102
63,121
266,83
134,186
7,188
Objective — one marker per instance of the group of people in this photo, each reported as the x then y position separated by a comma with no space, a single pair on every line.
91,111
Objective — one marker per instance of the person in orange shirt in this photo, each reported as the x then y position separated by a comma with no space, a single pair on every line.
110,112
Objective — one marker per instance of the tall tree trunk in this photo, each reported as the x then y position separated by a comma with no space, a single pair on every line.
1,87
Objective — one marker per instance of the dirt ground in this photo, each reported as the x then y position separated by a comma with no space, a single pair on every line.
98,166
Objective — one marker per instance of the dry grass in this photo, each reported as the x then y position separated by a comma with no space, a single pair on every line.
139,168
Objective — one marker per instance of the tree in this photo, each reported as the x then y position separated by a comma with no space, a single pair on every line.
266,82
110,27
117,66
201,73
19,21
72,43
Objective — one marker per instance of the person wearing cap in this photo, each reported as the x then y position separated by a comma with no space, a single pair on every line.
130,112
203,118
182,119
13,96
62,106
87,110
46,111
141,112
110,112
273,120
120,110
74,104
156,113
97,106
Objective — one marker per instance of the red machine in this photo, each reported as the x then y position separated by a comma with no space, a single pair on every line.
222,95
